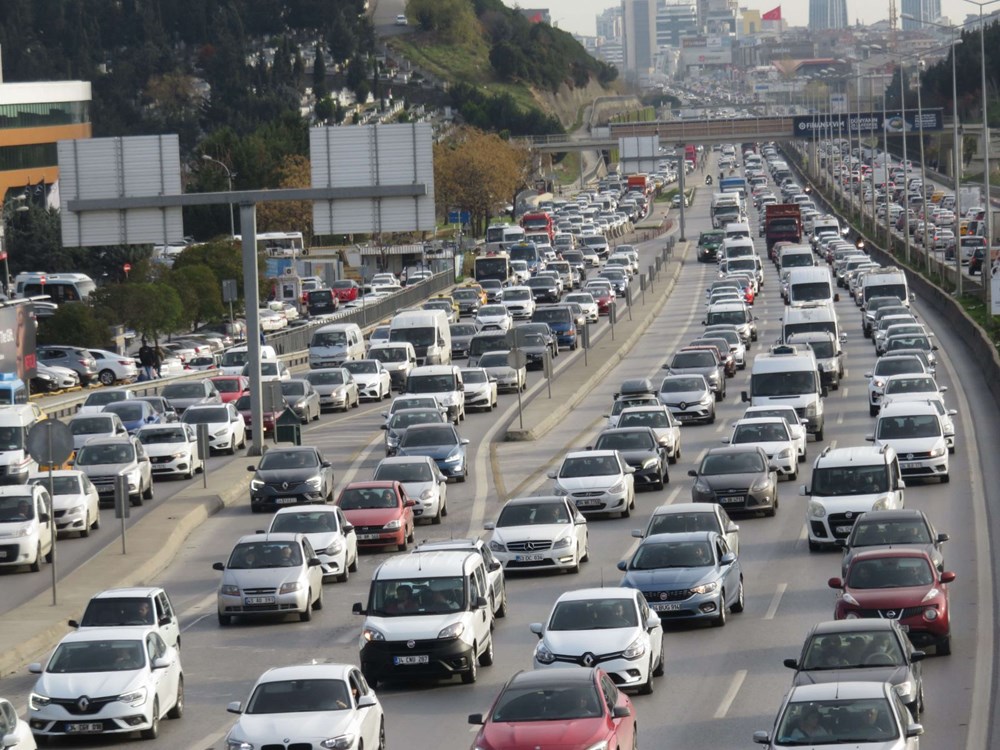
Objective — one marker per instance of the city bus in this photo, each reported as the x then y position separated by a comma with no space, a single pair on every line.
493,265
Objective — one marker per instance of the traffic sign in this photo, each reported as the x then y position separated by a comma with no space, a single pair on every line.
517,359
459,217
127,267
50,442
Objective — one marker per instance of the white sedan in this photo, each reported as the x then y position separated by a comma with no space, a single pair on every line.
75,501
796,425
539,533
597,482
773,436
271,320
586,302
612,628
172,448
494,318
373,380
227,430
309,705
136,674
15,732
114,368
331,536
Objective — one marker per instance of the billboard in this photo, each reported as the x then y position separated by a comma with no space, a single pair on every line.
868,122
17,341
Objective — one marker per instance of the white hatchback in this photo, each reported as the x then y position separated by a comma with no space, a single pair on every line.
227,430
75,502
172,448
773,436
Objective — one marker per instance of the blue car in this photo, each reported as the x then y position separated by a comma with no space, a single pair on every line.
689,576
561,321
440,442
134,414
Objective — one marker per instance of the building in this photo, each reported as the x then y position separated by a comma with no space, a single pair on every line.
674,21
717,16
827,14
609,23
639,35
914,13
33,118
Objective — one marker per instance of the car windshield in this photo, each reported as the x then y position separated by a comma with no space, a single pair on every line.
678,523
116,611
856,650
111,453
183,390
408,418
329,338
430,383
898,366
361,498
493,311
16,508
741,462
234,358
276,460
212,415
580,299
594,614
91,425
908,342
682,385
389,354
822,349
837,722
550,315
299,696
462,329
127,411
875,533
404,472
97,656
228,385
655,555
589,466
728,317
554,703
414,402
655,419
683,360
326,377
361,367
890,573
904,428
911,385
291,388
794,383
159,437
761,432
494,359
102,398
850,480
305,522
517,295
466,294
475,376
61,485
427,437
632,440
252,555
417,596
533,514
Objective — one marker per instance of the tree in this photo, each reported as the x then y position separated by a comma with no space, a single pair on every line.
288,216
74,324
319,74
222,257
325,109
151,309
199,292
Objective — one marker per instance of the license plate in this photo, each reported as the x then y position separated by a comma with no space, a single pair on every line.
88,728
588,503
844,529
530,558
284,500
367,537
732,500
666,607
251,600
3,554
421,659
909,464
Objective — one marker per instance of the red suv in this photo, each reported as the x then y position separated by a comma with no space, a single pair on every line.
345,290
898,584
381,513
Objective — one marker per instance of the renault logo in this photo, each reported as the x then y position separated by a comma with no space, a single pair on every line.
411,644
683,405
284,485
83,703
588,659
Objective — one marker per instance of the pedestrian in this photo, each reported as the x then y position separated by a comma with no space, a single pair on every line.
157,360
146,358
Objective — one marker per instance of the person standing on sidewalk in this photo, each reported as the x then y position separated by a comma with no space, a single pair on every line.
146,359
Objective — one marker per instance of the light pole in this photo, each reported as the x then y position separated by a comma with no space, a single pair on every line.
906,163
923,167
14,205
229,176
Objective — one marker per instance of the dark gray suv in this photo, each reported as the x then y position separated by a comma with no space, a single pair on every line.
76,359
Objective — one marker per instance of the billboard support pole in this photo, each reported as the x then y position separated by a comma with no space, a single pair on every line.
251,297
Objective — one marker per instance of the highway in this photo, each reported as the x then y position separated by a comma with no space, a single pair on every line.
721,684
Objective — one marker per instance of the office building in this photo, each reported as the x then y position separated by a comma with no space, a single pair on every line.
827,14
674,21
915,12
639,34
609,23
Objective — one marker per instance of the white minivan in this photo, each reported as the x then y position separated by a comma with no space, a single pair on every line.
15,462
444,383
332,345
25,515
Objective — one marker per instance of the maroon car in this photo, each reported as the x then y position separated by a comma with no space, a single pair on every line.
381,513
243,407
346,290
899,584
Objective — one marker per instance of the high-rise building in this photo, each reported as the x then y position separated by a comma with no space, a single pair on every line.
609,23
916,12
674,20
639,34
827,14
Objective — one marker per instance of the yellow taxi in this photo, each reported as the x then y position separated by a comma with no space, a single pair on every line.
478,288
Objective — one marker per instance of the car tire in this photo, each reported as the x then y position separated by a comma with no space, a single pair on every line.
97,520
502,609
740,604
225,620
342,578
945,478
819,435
306,614
626,512
872,410
178,708
381,736
711,418
720,619
660,666
486,658
106,376
815,546
470,675
646,688
136,500
944,646
318,604
402,546
148,493
154,730
436,520
461,477
586,551
36,566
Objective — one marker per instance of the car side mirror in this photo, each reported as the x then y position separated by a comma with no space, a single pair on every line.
836,297
652,622
918,656
870,438
842,543
824,392
476,719
622,565
791,663
235,707
914,730
537,628
313,562
218,566
367,701
163,621
251,468
803,490
357,608
551,475
162,662
620,712
835,583
481,602
43,517
638,533
728,559
947,577
761,738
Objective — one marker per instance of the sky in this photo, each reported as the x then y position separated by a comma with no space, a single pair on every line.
578,16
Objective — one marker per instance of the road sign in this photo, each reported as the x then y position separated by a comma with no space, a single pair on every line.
459,217
50,442
229,290
517,359
127,267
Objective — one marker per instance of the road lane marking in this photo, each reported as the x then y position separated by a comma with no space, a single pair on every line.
840,418
730,696
377,441
209,740
672,497
772,609
844,391
201,604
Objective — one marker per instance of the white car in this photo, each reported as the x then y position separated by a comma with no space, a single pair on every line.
227,429
86,426
586,302
884,368
24,526
494,318
75,502
270,370
373,380
608,627
922,388
114,368
107,681
773,436
539,533
309,705
796,424
15,733
480,389
915,431
506,377
519,271
270,320
332,537
422,480
597,481
384,278
172,448
96,401
401,20
520,301
661,421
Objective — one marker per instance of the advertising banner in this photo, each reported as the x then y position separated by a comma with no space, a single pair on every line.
17,341
869,122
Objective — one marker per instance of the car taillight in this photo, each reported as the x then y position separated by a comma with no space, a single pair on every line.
125,362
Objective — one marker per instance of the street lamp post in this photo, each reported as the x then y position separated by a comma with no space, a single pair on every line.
923,167
229,176
14,205
906,163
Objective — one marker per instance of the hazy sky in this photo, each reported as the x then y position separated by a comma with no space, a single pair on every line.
578,15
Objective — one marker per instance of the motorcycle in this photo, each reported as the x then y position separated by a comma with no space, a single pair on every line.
708,179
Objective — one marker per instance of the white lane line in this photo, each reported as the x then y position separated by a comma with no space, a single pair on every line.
672,497
209,740
844,392
772,609
721,426
730,696
840,418
376,442
204,603
803,535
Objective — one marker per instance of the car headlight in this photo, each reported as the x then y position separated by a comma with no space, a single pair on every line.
905,689
761,484
882,503
618,487
453,631
702,488
558,489
543,655
650,463
392,525
602,745
340,392
635,649
290,587
256,484
810,410
453,457
562,542
238,745
221,434
372,634
178,456
817,509
933,593
391,438
496,546
706,399
785,453
705,588
314,483
448,399
38,701
134,698
229,590
334,548
878,383
939,451
426,494
848,599
343,742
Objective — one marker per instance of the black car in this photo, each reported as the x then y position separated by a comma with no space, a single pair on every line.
641,450
76,359
740,478
544,289
542,329
885,528
862,650
290,475
534,347
162,407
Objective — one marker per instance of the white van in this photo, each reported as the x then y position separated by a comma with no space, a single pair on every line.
427,330
444,383
809,317
738,229
811,285
332,345
58,287
25,514
736,247
428,615
795,256
15,462
888,282
234,358
789,376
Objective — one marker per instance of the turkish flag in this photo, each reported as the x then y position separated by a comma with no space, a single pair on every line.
772,15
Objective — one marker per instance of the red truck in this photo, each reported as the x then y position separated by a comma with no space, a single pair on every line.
640,182
539,221
782,222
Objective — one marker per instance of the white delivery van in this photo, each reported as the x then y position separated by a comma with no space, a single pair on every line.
810,317
444,383
25,526
789,376
738,229
795,256
810,285
15,463
888,282
825,223
428,615
736,247
234,358
428,331
332,345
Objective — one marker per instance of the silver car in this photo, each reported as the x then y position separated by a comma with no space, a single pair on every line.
336,388
508,376
689,398
104,459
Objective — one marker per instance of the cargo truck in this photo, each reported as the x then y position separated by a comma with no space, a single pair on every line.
782,222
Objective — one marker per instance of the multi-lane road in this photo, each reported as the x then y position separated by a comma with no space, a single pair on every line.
720,683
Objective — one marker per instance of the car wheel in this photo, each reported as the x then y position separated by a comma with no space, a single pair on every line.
232,446
97,521
740,602
711,417
225,620
342,578
148,493
85,531
944,646
720,620
486,658
436,520
658,672
36,566
646,688
502,609
627,511
353,565
381,736
461,477
586,550
347,405
819,435
814,546
306,615
154,729
872,410
402,546
107,377
178,710
318,604
472,673
945,478
136,500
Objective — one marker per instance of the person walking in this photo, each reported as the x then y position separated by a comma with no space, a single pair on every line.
146,359
157,360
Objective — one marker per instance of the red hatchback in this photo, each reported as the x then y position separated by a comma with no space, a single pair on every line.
231,387
381,513
566,708
898,584
270,417
345,290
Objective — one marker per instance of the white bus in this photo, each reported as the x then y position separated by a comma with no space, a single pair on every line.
279,244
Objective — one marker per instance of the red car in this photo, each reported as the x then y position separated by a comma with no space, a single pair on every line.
565,708
901,584
243,407
381,513
603,299
346,290
231,387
